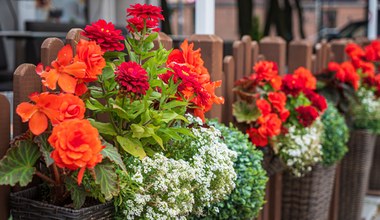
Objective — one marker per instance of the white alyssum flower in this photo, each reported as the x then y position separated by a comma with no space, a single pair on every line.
300,149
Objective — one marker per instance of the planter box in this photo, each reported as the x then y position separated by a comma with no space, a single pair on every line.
308,197
355,174
374,177
23,207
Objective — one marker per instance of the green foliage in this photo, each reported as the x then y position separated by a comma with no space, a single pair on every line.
78,193
107,180
18,164
113,155
247,198
245,112
335,136
45,148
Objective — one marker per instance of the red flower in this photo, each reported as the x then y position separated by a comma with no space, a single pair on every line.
132,78
264,106
354,51
266,70
256,138
278,100
306,115
140,14
292,85
345,73
105,35
317,100
305,77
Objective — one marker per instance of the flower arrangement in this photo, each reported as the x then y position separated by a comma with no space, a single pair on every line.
354,86
283,113
147,155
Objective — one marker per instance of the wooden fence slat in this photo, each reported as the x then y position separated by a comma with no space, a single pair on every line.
247,42
338,49
25,82
4,145
165,40
238,54
212,54
228,84
255,53
300,52
73,37
49,50
313,67
274,49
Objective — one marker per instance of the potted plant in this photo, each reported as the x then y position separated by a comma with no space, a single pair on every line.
152,157
356,77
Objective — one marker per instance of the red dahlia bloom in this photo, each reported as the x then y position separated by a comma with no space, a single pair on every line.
132,78
292,85
306,115
139,15
105,35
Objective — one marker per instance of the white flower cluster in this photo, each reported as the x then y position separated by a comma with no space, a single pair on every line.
171,188
300,149
368,100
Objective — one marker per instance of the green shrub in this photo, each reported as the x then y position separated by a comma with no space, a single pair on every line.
335,136
247,198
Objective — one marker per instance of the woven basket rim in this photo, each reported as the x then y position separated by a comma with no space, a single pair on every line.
18,196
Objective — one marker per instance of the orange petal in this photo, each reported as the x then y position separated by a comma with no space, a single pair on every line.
26,110
77,69
65,55
67,83
50,79
38,123
80,175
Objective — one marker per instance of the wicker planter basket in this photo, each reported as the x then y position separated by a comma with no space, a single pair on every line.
271,163
355,174
374,177
23,207
308,197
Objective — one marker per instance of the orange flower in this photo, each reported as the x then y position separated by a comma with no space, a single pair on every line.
45,106
76,146
350,75
70,107
91,54
306,77
264,106
270,125
276,82
256,138
265,70
354,51
64,71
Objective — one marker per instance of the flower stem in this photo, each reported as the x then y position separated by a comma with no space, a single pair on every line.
45,178
57,176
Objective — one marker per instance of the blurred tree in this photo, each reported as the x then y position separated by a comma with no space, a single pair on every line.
165,25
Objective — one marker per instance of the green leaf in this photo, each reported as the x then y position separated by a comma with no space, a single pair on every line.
103,128
132,146
78,193
158,140
45,148
171,115
17,166
108,73
245,112
174,104
111,153
107,179
151,37
94,104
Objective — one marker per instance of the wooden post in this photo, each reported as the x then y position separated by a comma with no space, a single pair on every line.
4,145
165,40
49,50
238,54
274,49
228,84
25,82
275,198
212,54
338,49
300,52
247,42
255,53
74,36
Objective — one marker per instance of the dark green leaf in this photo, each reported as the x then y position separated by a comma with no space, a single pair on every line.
17,166
45,148
107,179
111,153
78,193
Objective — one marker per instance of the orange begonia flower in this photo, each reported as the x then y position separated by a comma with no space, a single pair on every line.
37,114
306,77
76,146
63,71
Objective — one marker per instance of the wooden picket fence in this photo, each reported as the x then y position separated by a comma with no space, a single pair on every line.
229,68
